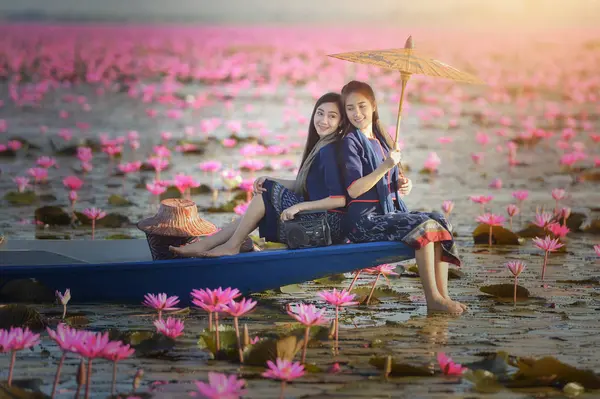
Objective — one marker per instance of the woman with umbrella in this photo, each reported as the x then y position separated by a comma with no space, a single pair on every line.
376,211
318,186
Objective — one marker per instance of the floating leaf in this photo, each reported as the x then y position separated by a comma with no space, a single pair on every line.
291,289
150,344
593,228
549,369
505,291
24,198
587,281
590,175
117,200
483,380
271,349
201,189
500,235
401,369
17,392
113,220
227,339
575,220
496,363
378,293
226,207
17,315
332,279
26,290
532,231
573,389
77,321
170,192
52,215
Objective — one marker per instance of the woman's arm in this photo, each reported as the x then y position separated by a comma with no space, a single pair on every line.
365,183
324,204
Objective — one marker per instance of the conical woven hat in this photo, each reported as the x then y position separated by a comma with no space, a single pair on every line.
177,217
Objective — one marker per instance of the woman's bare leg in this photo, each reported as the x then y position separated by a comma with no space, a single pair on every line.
209,242
441,274
425,258
247,224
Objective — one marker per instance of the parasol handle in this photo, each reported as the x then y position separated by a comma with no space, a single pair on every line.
404,76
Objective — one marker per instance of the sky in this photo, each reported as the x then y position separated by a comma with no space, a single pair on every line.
450,12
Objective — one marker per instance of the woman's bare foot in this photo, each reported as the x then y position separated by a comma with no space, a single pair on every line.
444,305
462,305
193,249
222,250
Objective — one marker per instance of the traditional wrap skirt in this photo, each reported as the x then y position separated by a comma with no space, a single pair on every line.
415,229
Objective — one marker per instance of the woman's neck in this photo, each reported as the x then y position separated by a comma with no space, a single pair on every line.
368,132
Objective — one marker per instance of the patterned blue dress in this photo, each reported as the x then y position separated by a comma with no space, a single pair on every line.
366,220
323,181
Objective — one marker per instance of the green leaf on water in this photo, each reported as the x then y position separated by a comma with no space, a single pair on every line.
271,349
227,339
401,369
505,291
291,289
549,370
24,198
332,279
147,343
118,200
17,315
77,321
500,235
483,381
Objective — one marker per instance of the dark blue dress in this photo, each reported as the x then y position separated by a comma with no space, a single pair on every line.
365,220
323,181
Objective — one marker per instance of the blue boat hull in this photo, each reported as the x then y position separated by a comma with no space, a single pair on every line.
249,272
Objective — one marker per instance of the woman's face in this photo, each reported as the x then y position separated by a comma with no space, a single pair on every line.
327,119
359,110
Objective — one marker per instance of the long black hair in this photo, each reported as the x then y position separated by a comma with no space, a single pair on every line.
363,88
313,136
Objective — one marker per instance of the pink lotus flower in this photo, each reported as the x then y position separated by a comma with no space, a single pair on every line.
166,136
39,174
482,200
447,207
115,351
94,214
597,249
221,386
283,370
557,230
558,194
477,158
22,183
432,162
73,183
161,151
241,208
159,164
515,267
236,310
252,164
14,340
496,183
228,143
520,195
210,166
213,301
491,220
92,346
338,299
14,145
156,188
448,366
310,316
64,300
543,219
547,244
69,339
512,210
564,214
161,302
171,328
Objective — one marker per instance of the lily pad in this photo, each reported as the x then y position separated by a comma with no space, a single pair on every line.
587,281
117,200
590,175
150,344
362,293
505,291
593,228
53,215
551,370
575,220
225,208
113,220
532,231
453,274
271,349
332,279
227,340
77,321
500,235
26,290
401,369
291,289
170,192
201,189
483,381
15,391
24,198
17,315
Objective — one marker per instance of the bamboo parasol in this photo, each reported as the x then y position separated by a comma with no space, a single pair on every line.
408,62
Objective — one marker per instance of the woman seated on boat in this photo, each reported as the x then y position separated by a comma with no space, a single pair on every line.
376,211
318,186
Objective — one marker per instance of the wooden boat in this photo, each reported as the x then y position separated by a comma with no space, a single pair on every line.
123,270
